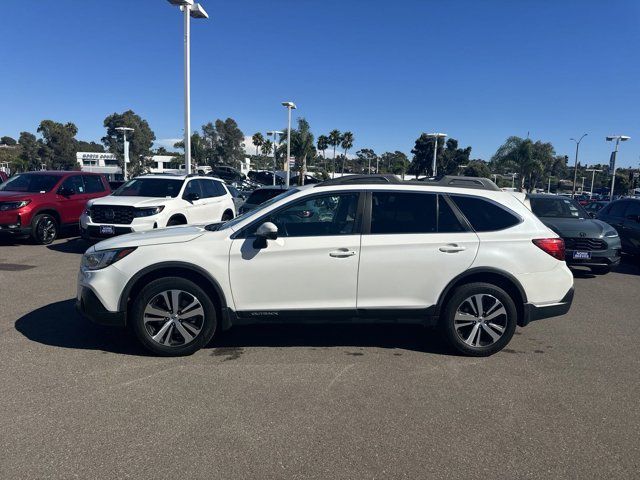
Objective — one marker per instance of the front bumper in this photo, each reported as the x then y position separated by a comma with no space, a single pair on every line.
532,312
90,306
599,258
91,231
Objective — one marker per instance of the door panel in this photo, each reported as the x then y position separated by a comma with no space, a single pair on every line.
298,273
72,206
410,270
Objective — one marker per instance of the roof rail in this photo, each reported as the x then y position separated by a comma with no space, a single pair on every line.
359,179
459,182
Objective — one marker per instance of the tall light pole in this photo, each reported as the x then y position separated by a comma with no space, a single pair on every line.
195,10
582,186
124,131
435,137
289,106
275,134
593,178
575,165
614,154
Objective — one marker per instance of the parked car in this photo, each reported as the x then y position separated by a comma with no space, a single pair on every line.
475,262
594,207
239,197
624,216
308,180
259,196
226,173
589,242
265,178
41,204
157,201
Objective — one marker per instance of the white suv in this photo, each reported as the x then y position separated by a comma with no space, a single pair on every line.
473,261
157,201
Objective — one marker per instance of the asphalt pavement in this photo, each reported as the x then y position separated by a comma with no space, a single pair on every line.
325,402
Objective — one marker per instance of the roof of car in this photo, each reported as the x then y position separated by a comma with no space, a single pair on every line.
390,179
58,173
170,176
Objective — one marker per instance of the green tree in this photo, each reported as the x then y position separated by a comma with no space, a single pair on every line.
228,147
59,140
365,158
258,140
423,155
83,146
335,137
394,162
346,144
302,146
29,151
267,147
452,158
477,168
526,158
140,140
322,145
7,141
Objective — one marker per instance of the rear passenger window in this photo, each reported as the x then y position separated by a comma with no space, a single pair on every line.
74,184
208,188
403,212
447,220
484,216
93,184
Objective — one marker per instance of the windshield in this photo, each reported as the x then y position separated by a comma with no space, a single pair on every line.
262,195
150,187
240,218
30,182
557,208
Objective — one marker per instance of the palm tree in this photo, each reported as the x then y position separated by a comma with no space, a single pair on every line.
323,143
347,143
267,147
335,137
258,140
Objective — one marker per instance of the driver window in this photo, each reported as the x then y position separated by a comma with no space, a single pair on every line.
333,214
192,187
74,184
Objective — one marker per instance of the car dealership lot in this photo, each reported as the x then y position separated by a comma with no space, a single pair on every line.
315,401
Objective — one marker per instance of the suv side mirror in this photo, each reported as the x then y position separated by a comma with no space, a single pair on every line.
268,231
65,192
192,197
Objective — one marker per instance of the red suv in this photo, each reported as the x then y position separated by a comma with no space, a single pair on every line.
40,204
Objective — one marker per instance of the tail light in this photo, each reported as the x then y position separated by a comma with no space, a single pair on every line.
552,246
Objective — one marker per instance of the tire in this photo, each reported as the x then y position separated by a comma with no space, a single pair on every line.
472,334
226,216
173,221
44,229
168,336
600,270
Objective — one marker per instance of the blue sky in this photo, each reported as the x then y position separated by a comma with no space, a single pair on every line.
477,70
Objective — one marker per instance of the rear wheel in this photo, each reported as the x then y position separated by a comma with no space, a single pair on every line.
226,216
173,316
479,319
44,229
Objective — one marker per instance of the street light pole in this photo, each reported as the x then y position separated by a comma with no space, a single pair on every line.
575,165
275,134
290,106
124,131
195,10
614,155
435,137
593,178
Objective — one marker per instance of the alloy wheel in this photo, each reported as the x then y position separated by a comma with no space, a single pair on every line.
173,318
480,320
46,230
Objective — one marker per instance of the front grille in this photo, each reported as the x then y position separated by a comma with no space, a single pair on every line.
584,244
111,215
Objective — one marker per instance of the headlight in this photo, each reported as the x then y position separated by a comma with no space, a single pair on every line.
610,234
104,258
147,212
13,205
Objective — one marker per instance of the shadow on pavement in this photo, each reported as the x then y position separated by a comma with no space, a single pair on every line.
72,245
628,266
59,325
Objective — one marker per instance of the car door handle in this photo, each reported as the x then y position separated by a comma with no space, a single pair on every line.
452,248
342,253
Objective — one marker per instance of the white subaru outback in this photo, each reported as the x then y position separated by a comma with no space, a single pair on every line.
157,201
455,253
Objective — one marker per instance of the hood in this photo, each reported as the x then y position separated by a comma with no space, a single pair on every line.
158,236
136,202
17,196
577,227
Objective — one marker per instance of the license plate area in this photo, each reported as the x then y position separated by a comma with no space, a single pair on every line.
107,229
578,255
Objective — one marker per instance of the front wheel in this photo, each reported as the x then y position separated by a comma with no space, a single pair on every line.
479,319
173,316
44,229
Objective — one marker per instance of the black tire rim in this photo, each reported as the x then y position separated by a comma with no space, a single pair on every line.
46,230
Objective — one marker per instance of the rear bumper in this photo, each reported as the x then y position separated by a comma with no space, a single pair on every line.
534,312
89,305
